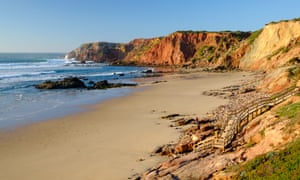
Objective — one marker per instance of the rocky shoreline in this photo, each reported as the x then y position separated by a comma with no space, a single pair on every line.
85,83
184,161
74,82
89,134
187,163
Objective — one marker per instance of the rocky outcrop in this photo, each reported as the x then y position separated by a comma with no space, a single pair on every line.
191,166
200,48
179,48
105,85
71,82
74,82
100,52
275,46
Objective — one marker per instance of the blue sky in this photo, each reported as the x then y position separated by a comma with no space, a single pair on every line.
62,25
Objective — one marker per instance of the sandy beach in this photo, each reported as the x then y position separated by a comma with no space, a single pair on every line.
111,140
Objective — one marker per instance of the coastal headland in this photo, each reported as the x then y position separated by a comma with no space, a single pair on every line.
116,139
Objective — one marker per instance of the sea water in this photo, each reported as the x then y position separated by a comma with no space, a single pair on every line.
22,103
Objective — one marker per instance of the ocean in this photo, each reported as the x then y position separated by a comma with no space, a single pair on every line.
21,103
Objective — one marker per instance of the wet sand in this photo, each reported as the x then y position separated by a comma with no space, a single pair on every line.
111,140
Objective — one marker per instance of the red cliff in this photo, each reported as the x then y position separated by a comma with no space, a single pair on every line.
179,48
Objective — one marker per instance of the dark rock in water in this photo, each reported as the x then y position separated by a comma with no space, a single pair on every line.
74,82
91,82
105,85
102,85
148,71
70,82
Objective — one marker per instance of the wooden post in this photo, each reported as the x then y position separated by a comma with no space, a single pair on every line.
259,111
249,117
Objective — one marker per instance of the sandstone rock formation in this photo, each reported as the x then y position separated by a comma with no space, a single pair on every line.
179,48
277,45
202,48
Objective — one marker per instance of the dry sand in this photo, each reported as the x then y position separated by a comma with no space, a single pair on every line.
112,140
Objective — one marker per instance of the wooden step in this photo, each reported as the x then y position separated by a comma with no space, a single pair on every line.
219,146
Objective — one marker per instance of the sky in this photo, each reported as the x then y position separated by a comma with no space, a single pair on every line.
62,25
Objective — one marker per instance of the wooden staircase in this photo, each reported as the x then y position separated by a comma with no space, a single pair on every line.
237,119
242,116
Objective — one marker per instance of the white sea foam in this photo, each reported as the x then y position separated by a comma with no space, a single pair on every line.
20,101
14,75
50,63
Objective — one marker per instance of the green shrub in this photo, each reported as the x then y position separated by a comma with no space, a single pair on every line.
285,20
294,72
204,50
289,111
254,35
240,35
209,59
294,60
195,60
279,50
292,112
284,164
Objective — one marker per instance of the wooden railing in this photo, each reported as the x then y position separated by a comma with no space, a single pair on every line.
235,120
206,146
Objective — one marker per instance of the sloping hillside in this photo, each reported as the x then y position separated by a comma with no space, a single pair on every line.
277,45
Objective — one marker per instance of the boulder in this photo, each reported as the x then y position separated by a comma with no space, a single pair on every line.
102,85
105,85
146,71
184,147
70,82
74,82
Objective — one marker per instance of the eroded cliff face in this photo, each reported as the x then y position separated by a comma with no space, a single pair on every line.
273,49
277,45
199,48
179,48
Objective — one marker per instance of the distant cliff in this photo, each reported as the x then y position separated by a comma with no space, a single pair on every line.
99,52
274,49
179,48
